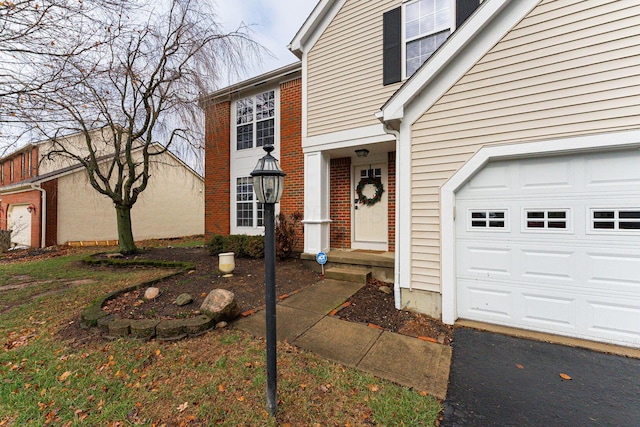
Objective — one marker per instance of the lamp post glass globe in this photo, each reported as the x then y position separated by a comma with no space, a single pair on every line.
268,178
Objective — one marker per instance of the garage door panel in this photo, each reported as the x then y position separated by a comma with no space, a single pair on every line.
615,269
548,264
487,260
549,310
558,174
482,300
614,320
610,171
493,179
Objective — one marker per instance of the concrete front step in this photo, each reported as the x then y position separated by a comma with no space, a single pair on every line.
348,274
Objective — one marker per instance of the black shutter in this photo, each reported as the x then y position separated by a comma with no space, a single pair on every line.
464,9
392,46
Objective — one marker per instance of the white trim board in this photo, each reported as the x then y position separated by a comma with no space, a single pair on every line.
579,144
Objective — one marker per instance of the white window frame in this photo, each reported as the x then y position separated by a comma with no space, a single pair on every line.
242,162
568,221
254,122
452,26
616,220
255,207
469,220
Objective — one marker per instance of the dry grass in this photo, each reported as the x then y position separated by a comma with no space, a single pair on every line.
216,379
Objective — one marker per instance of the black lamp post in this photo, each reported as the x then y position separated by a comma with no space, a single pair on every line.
268,183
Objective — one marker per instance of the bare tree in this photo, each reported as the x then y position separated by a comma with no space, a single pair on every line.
138,84
31,33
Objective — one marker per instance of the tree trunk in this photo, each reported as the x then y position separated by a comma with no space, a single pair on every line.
125,233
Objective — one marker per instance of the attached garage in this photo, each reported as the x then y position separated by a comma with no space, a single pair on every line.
552,244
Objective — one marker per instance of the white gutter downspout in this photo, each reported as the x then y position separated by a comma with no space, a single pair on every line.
396,262
43,214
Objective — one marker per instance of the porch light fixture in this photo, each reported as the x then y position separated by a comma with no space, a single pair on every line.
268,183
31,208
362,152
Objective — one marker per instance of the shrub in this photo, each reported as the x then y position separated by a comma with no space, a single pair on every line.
241,245
286,236
216,244
235,243
254,246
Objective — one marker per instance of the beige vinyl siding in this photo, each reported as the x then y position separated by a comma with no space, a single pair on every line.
172,205
569,68
75,144
344,81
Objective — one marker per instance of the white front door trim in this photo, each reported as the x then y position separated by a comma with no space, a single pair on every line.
599,142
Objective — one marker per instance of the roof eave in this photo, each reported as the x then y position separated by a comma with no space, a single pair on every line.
270,77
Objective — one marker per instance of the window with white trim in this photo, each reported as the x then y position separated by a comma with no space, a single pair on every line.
615,219
427,24
249,212
546,219
255,121
488,219
412,32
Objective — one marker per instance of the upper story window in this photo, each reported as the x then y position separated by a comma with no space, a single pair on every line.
255,121
427,24
414,31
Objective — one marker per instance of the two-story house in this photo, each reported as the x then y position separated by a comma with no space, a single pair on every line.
491,147
48,200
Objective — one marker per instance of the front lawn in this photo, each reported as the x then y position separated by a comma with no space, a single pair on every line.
216,379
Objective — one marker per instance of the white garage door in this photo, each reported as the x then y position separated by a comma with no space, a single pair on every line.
553,245
19,221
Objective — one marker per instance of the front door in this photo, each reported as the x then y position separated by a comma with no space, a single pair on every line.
370,224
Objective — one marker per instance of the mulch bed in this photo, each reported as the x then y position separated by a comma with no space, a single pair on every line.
370,305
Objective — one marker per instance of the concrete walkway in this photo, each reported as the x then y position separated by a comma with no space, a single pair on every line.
304,320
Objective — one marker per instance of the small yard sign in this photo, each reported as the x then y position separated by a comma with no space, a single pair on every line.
321,258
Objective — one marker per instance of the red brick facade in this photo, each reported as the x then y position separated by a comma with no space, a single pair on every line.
218,168
291,156
21,166
217,191
340,203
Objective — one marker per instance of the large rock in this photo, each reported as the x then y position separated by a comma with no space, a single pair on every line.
220,305
152,293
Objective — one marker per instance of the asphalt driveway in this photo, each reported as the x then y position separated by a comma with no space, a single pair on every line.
497,380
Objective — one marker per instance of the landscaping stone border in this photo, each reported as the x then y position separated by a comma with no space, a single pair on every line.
113,327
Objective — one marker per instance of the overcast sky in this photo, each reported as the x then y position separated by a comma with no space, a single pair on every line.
273,22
